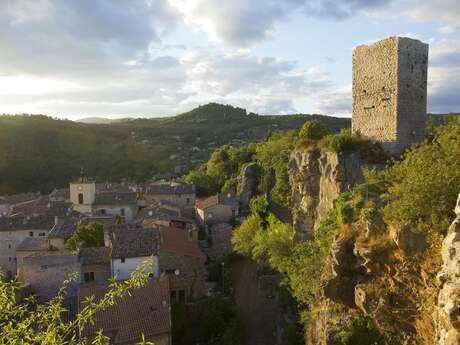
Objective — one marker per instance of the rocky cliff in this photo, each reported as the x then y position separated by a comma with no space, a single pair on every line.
382,274
317,178
447,313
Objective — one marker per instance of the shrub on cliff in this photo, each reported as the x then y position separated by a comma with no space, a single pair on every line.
424,184
313,130
344,141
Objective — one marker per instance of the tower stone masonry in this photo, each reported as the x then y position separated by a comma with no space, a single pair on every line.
390,92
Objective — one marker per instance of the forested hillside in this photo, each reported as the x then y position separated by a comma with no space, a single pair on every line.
38,153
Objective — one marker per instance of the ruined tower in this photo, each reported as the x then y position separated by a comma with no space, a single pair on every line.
390,91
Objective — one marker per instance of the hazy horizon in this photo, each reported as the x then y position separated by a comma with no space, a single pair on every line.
79,59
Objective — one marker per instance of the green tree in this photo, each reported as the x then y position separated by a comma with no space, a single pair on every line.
89,235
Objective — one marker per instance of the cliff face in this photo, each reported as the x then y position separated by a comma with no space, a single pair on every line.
317,178
447,314
386,275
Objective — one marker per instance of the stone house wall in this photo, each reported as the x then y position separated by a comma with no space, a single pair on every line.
46,273
192,273
9,240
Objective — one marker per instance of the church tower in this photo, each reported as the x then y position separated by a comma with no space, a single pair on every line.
83,194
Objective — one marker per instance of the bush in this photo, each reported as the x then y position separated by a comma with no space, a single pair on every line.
313,130
344,141
424,185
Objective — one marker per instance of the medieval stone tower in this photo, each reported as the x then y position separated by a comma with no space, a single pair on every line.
390,91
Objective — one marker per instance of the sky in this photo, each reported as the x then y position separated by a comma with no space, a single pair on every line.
148,58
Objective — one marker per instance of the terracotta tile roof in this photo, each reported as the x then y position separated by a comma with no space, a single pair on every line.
177,241
203,204
116,198
21,222
66,226
132,243
106,221
18,198
94,255
39,205
170,188
221,198
146,311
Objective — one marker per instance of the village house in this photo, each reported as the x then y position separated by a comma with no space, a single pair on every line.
219,208
86,199
95,264
45,271
181,259
130,249
146,312
174,192
13,231
164,214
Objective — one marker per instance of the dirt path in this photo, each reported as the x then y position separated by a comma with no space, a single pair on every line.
257,312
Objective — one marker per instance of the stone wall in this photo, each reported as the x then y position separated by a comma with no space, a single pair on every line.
46,273
389,92
191,273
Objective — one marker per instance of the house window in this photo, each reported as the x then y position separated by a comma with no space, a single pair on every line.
31,233
122,212
80,198
9,246
41,234
182,296
188,201
233,213
173,296
122,260
170,271
102,211
89,277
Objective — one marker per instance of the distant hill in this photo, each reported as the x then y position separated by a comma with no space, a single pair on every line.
98,120
38,153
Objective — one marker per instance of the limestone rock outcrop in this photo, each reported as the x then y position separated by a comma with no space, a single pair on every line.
247,185
448,310
317,179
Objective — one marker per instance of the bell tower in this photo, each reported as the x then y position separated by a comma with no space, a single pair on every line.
83,194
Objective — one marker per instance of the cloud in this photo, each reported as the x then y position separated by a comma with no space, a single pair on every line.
335,101
243,23
444,76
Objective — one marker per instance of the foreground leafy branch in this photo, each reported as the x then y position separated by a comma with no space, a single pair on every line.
27,322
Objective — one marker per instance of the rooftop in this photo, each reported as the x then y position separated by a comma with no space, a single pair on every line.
131,243
218,199
177,241
94,255
146,311
22,222
116,198
171,187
